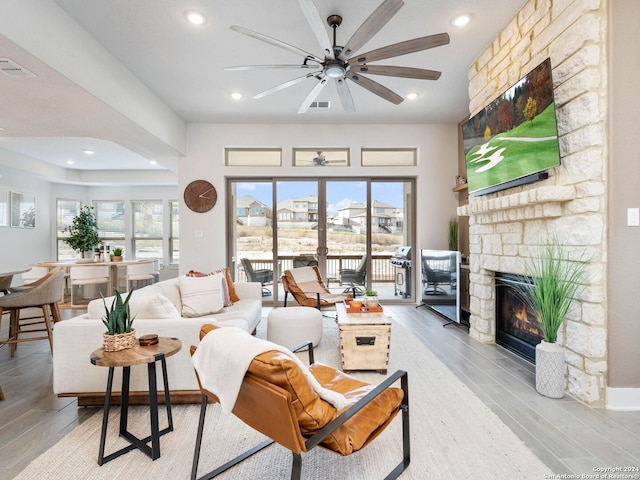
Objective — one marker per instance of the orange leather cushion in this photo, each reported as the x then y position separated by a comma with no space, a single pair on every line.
313,413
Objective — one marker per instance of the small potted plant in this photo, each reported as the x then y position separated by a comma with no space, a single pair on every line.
118,320
116,255
371,298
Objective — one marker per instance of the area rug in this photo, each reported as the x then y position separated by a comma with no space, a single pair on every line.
453,436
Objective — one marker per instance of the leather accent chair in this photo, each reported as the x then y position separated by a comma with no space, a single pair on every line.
276,399
307,288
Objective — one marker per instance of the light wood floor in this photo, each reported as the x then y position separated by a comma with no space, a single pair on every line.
566,435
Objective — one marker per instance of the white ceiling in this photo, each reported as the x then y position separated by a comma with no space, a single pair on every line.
52,118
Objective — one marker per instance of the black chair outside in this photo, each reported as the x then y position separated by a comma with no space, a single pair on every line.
264,276
355,278
432,278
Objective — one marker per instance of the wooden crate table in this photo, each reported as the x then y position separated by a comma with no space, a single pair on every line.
364,340
138,355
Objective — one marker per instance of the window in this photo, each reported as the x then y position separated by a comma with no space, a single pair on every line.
174,240
66,210
389,157
111,222
253,157
147,229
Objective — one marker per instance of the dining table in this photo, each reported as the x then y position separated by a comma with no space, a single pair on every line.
114,268
7,273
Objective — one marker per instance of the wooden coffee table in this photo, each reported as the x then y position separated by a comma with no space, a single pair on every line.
364,340
137,355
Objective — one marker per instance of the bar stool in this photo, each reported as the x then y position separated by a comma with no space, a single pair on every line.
137,272
84,275
46,296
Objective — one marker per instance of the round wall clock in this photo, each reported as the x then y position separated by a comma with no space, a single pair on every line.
200,196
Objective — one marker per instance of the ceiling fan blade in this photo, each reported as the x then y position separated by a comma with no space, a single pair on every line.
275,42
284,85
261,67
318,27
312,95
371,26
401,48
345,95
406,72
375,87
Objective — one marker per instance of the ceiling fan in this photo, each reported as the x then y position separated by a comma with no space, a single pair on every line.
338,62
321,160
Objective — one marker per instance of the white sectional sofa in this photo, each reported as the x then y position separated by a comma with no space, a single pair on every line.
158,308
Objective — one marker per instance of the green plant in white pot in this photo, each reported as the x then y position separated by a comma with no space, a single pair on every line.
549,294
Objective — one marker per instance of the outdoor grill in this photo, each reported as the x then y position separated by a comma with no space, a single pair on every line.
401,262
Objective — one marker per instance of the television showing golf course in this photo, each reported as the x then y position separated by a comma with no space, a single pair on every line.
514,136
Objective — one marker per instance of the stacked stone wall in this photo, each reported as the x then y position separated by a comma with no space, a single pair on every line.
506,227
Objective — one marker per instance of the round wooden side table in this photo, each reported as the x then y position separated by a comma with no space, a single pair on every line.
138,355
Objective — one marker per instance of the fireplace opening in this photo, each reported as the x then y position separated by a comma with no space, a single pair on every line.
517,328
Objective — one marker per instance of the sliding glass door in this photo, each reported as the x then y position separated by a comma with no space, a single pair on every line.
349,228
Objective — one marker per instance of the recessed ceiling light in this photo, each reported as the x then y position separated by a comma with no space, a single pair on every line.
153,162
461,20
70,162
195,17
236,95
412,96
86,151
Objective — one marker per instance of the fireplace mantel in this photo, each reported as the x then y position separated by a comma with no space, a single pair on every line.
541,202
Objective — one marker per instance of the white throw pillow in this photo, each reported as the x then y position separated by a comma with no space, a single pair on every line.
201,295
141,306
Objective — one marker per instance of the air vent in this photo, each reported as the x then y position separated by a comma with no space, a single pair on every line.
320,105
11,68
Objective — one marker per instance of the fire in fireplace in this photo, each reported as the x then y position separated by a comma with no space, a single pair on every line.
517,328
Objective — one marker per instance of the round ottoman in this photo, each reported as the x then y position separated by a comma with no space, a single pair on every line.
292,326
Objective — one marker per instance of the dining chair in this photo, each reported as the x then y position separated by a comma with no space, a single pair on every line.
45,295
139,272
34,274
82,276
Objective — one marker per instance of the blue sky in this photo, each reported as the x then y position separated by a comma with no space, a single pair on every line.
339,193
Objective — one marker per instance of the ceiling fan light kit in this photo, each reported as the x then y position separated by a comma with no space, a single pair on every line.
339,65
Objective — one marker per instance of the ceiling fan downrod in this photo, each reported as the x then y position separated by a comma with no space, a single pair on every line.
335,68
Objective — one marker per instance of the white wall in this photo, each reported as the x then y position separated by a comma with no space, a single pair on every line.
23,246
436,171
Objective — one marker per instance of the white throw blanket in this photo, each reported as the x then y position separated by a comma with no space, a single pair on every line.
224,355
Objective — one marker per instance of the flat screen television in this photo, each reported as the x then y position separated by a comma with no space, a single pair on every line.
514,139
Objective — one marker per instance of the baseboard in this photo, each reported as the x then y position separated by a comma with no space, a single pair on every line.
623,399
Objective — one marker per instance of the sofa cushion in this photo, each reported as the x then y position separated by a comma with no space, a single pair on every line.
201,295
225,284
231,291
141,305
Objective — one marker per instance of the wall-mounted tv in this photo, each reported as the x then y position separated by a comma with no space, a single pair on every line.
514,139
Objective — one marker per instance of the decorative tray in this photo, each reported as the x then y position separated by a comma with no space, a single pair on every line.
360,309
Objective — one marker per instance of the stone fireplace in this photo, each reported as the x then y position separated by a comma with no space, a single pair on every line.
505,227
517,328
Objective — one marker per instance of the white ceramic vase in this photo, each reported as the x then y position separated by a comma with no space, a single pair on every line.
550,368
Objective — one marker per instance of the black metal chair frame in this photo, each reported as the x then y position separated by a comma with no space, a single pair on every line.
321,434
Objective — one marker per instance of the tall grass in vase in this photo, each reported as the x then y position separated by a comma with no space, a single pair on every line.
549,294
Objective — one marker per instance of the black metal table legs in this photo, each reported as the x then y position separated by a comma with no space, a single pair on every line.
141,444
